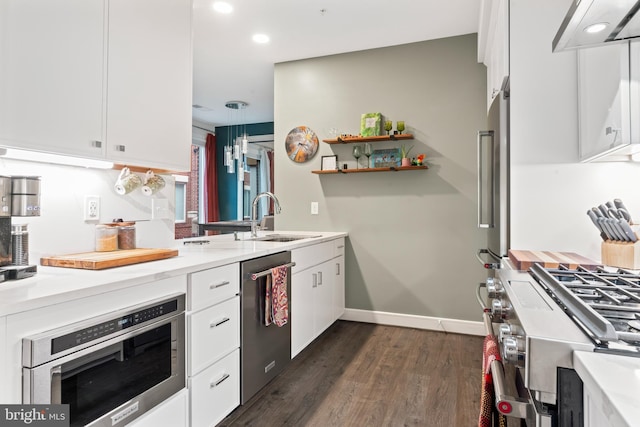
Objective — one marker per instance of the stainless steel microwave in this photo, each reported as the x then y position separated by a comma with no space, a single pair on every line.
109,369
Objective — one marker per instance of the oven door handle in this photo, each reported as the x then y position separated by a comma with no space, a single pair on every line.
56,385
508,405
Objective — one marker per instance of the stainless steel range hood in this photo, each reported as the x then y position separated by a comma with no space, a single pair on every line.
618,17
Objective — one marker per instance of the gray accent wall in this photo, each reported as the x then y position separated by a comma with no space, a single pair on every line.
412,235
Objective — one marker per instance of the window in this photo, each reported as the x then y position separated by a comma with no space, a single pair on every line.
181,198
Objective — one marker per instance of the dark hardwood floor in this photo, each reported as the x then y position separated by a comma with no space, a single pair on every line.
361,374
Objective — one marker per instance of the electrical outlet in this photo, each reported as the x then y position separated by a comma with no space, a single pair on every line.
91,208
314,208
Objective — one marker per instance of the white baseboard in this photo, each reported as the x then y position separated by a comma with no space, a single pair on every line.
413,321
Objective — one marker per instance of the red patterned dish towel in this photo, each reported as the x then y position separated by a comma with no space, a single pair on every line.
267,300
490,352
279,298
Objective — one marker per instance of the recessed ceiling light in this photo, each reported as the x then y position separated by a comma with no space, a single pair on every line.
596,28
222,7
261,38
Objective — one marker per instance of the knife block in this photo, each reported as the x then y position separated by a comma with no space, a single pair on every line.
621,254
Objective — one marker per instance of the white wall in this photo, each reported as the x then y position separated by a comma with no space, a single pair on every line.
550,190
412,235
61,229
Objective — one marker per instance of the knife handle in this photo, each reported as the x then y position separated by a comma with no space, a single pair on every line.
612,231
605,228
613,213
622,209
594,219
604,211
618,230
624,214
628,231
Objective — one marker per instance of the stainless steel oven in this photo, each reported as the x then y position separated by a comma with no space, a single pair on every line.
109,369
538,320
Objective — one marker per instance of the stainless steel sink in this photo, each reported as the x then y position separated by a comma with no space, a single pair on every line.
283,237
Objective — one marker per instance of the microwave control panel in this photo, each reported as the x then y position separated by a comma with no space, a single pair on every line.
102,329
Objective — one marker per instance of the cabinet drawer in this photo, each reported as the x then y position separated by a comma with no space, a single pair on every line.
212,333
172,412
211,286
338,247
311,255
216,391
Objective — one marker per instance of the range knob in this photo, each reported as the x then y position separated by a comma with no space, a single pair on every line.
494,287
506,330
500,308
513,350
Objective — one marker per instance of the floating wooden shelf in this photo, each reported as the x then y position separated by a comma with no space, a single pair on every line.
391,169
356,139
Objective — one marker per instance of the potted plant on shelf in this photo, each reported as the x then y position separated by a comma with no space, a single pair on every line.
404,153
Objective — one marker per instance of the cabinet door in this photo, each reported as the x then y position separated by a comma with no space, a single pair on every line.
338,288
149,83
593,414
51,75
634,94
303,289
494,42
603,98
324,297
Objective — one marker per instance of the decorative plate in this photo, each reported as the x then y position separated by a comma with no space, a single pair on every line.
301,144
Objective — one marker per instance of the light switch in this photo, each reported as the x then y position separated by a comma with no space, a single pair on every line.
314,208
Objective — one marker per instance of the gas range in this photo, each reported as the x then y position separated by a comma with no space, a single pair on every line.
604,304
540,317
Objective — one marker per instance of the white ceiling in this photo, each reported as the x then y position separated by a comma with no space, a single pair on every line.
228,65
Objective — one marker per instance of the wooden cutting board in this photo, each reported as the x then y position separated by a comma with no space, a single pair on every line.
523,260
102,260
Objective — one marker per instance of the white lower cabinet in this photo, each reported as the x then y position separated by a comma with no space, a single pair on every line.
593,414
339,279
317,291
213,344
172,412
215,392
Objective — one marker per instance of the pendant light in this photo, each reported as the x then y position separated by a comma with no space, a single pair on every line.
234,151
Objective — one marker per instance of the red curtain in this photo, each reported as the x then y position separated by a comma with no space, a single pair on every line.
270,157
212,204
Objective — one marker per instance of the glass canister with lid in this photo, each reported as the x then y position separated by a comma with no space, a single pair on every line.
106,238
127,235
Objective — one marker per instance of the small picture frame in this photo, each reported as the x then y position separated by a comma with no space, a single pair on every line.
329,163
384,158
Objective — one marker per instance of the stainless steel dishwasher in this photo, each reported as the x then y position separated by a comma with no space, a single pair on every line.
265,350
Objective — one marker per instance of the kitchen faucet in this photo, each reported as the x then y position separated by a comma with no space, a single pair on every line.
254,210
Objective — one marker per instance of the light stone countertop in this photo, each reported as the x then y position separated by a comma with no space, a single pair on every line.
614,383
53,285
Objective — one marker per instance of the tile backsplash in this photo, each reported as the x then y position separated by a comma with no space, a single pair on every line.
60,229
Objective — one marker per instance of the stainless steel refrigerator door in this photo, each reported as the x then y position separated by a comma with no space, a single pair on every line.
493,177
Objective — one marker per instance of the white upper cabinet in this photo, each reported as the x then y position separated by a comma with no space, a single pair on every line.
149,82
604,97
52,63
493,44
98,79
